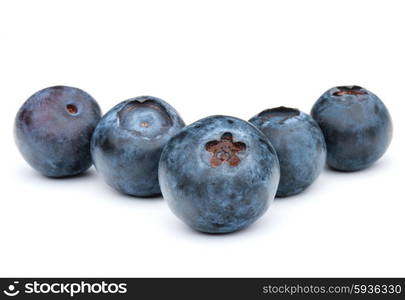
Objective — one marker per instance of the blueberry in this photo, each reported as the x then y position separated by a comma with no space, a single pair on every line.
356,124
128,141
299,144
53,130
219,174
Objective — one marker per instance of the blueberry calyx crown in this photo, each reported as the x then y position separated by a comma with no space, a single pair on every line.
282,114
280,111
349,90
135,104
225,150
145,117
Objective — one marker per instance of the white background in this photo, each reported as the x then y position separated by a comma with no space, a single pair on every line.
204,57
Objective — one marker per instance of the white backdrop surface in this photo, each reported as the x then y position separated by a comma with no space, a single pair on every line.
204,57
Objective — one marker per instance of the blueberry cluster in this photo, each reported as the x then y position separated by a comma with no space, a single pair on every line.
218,174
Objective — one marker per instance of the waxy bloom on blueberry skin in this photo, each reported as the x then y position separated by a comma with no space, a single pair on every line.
299,144
128,141
219,174
53,130
356,124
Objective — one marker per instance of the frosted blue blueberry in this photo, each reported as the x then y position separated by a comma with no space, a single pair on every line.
128,141
219,174
299,144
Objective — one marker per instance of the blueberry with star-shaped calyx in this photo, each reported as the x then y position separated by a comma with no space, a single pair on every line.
219,174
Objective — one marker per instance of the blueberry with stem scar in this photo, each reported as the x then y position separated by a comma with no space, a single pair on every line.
299,144
53,130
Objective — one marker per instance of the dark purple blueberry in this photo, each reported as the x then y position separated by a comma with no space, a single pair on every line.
53,130
128,141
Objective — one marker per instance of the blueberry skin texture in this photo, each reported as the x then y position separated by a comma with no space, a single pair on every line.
211,188
127,144
53,130
299,144
356,124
